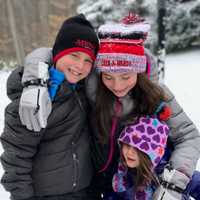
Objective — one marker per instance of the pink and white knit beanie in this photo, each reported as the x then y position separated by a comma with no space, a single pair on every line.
122,45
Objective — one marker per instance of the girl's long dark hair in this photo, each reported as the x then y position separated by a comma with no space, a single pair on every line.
144,174
146,96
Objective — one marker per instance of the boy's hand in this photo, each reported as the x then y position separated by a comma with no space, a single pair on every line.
35,107
35,103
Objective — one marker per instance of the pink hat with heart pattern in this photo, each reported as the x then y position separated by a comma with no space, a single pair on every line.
148,135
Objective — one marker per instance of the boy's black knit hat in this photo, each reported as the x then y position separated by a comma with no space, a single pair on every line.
76,34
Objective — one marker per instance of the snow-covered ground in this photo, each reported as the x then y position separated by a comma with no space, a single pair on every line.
182,77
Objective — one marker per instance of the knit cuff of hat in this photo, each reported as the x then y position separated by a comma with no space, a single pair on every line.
120,62
74,49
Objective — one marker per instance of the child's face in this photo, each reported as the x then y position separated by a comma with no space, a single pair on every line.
130,156
119,83
76,66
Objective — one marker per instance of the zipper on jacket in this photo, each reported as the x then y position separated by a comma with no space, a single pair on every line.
75,165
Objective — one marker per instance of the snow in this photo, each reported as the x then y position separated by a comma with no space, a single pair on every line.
3,102
182,77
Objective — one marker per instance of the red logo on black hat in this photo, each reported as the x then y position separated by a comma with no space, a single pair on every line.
85,44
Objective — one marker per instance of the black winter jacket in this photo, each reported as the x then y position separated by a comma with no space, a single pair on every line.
54,161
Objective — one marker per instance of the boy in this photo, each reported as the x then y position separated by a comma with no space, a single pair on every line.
53,163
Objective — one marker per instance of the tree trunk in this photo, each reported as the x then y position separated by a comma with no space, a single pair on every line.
16,39
43,13
161,38
26,27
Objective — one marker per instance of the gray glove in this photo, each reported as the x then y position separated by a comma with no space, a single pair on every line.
35,107
35,104
174,178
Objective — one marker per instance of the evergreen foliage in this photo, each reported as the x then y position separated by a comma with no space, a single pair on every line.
182,19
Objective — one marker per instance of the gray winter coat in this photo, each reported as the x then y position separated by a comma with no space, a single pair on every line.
54,161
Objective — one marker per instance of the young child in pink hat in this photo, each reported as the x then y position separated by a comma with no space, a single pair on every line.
142,145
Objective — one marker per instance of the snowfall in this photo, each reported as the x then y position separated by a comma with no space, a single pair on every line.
182,77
